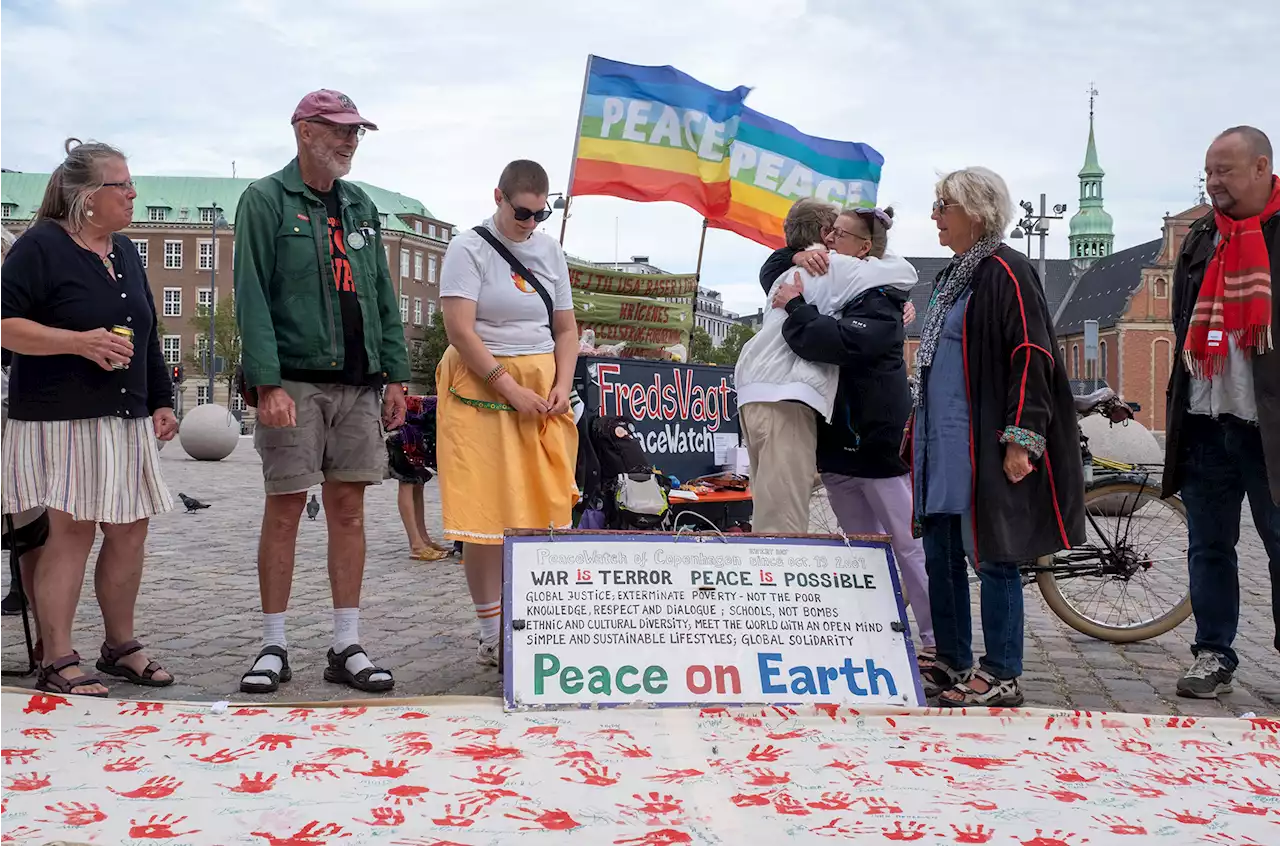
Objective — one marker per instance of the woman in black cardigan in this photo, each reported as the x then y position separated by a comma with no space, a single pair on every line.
995,441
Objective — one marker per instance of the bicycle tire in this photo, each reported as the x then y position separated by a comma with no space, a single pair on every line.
1069,614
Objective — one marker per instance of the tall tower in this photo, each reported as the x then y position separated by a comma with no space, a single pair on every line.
1091,236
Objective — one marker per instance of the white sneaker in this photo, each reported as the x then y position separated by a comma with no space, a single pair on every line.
487,651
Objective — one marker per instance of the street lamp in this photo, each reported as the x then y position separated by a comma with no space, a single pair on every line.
218,220
1037,224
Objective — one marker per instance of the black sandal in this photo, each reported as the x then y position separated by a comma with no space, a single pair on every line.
939,677
51,680
277,679
110,664
338,673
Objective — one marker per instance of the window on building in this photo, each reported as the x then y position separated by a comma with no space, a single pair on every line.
204,297
206,255
183,213
173,302
382,221
1062,354
1160,289
431,230
417,267
404,309
431,311
417,226
404,264
431,268
417,311
207,215
1102,360
7,209
141,246
202,394
173,255
237,401
157,214
1075,361
386,249
172,349
444,234
202,349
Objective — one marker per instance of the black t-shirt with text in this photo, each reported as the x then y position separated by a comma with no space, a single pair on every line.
355,370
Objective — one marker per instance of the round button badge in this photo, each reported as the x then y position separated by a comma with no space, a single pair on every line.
355,240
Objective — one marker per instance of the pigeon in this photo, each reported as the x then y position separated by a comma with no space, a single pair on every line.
191,503
313,508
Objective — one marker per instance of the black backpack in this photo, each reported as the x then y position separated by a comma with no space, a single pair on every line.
634,497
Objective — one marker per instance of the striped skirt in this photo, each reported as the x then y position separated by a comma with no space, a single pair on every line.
104,469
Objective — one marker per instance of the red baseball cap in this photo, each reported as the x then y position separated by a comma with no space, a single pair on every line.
333,106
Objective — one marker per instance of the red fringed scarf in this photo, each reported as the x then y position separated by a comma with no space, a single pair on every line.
1235,296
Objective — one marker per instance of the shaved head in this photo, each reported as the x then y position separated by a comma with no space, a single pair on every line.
1238,172
1258,142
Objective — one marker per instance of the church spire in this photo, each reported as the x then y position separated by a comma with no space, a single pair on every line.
1091,231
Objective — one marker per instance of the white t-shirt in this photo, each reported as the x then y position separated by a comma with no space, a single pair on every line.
511,318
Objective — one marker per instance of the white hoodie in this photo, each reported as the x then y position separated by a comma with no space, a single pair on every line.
768,371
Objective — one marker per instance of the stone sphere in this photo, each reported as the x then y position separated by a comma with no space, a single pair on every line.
1130,442
209,432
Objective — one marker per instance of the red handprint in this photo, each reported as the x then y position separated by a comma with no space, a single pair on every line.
313,772
22,832
1186,817
837,828
1140,790
123,765
412,743
761,777
489,733
192,738
670,776
311,834
339,752
350,713
38,734
1119,825
249,712
134,731
464,818
1038,755
1201,745
878,807
593,775
768,754
22,756
43,704
140,709
793,734
385,769
1265,724
1265,758
660,837
76,813
977,737
326,730
575,757
158,827
713,712
554,819
414,715
655,805
188,717
632,751
152,788
751,800
829,801
846,765
485,798
1136,747
224,756
983,763
975,804
490,775
1221,762
1261,788
383,817
1071,744
534,731
299,715
906,831
916,768
272,742
1054,838
1066,796
972,834
1070,776
785,803
256,783
27,783
487,752
406,794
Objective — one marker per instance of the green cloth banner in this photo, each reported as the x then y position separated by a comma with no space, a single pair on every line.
602,281
647,325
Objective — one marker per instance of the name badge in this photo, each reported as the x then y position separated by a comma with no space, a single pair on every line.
355,240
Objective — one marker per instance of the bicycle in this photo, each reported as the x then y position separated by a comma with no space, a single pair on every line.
1135,550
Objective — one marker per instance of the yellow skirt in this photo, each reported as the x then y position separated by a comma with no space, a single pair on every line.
500,469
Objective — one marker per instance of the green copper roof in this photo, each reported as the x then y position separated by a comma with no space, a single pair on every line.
1091,166
25,190
1091,222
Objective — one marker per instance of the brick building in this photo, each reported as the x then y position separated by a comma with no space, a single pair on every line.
172,228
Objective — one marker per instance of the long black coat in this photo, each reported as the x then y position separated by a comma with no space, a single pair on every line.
1013,378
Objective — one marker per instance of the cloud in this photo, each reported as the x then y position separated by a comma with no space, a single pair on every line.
459,89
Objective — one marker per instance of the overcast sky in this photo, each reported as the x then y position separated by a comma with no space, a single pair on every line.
460,88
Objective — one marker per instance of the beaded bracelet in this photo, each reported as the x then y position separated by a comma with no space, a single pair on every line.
495,374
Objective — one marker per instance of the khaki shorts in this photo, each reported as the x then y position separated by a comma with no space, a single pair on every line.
338,438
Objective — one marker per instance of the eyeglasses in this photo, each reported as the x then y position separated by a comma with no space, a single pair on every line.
126,185
341,131
940,205
837,232
522,214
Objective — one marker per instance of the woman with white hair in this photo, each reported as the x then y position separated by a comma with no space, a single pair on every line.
995,442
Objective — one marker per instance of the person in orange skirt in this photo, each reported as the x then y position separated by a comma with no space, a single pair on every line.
506,441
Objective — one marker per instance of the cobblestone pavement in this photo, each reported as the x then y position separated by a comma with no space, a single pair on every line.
198,613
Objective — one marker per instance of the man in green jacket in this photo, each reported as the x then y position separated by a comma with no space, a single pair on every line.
321,336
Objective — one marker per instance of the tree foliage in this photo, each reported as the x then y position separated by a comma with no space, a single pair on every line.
425,356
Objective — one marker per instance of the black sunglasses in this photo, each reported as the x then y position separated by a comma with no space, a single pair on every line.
523,214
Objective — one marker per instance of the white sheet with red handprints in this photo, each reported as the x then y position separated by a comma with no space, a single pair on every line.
460,771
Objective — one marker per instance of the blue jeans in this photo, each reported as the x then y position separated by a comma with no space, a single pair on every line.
948,542
1222,463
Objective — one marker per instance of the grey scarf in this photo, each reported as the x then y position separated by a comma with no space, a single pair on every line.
951,284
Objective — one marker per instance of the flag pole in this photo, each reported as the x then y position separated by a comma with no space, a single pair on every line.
702,242
573,163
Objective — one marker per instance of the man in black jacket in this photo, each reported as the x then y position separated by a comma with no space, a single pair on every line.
1223,421
859,452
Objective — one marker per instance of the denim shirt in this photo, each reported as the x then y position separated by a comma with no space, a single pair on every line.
943,472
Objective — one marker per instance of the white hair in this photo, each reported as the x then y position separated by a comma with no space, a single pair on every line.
982,194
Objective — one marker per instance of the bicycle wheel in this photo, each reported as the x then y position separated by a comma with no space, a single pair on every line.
1128,581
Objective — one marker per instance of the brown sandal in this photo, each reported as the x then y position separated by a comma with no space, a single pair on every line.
51,680
110,664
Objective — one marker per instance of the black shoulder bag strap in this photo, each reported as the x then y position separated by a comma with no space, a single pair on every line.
516,266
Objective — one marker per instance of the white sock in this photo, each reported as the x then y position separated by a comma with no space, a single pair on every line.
346,632
272,635
490,616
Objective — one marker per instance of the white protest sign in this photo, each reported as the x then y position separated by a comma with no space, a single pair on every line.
598,620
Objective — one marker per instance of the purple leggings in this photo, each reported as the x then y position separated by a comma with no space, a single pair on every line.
883,506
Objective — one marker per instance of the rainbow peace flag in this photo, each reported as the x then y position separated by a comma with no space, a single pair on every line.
655,133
